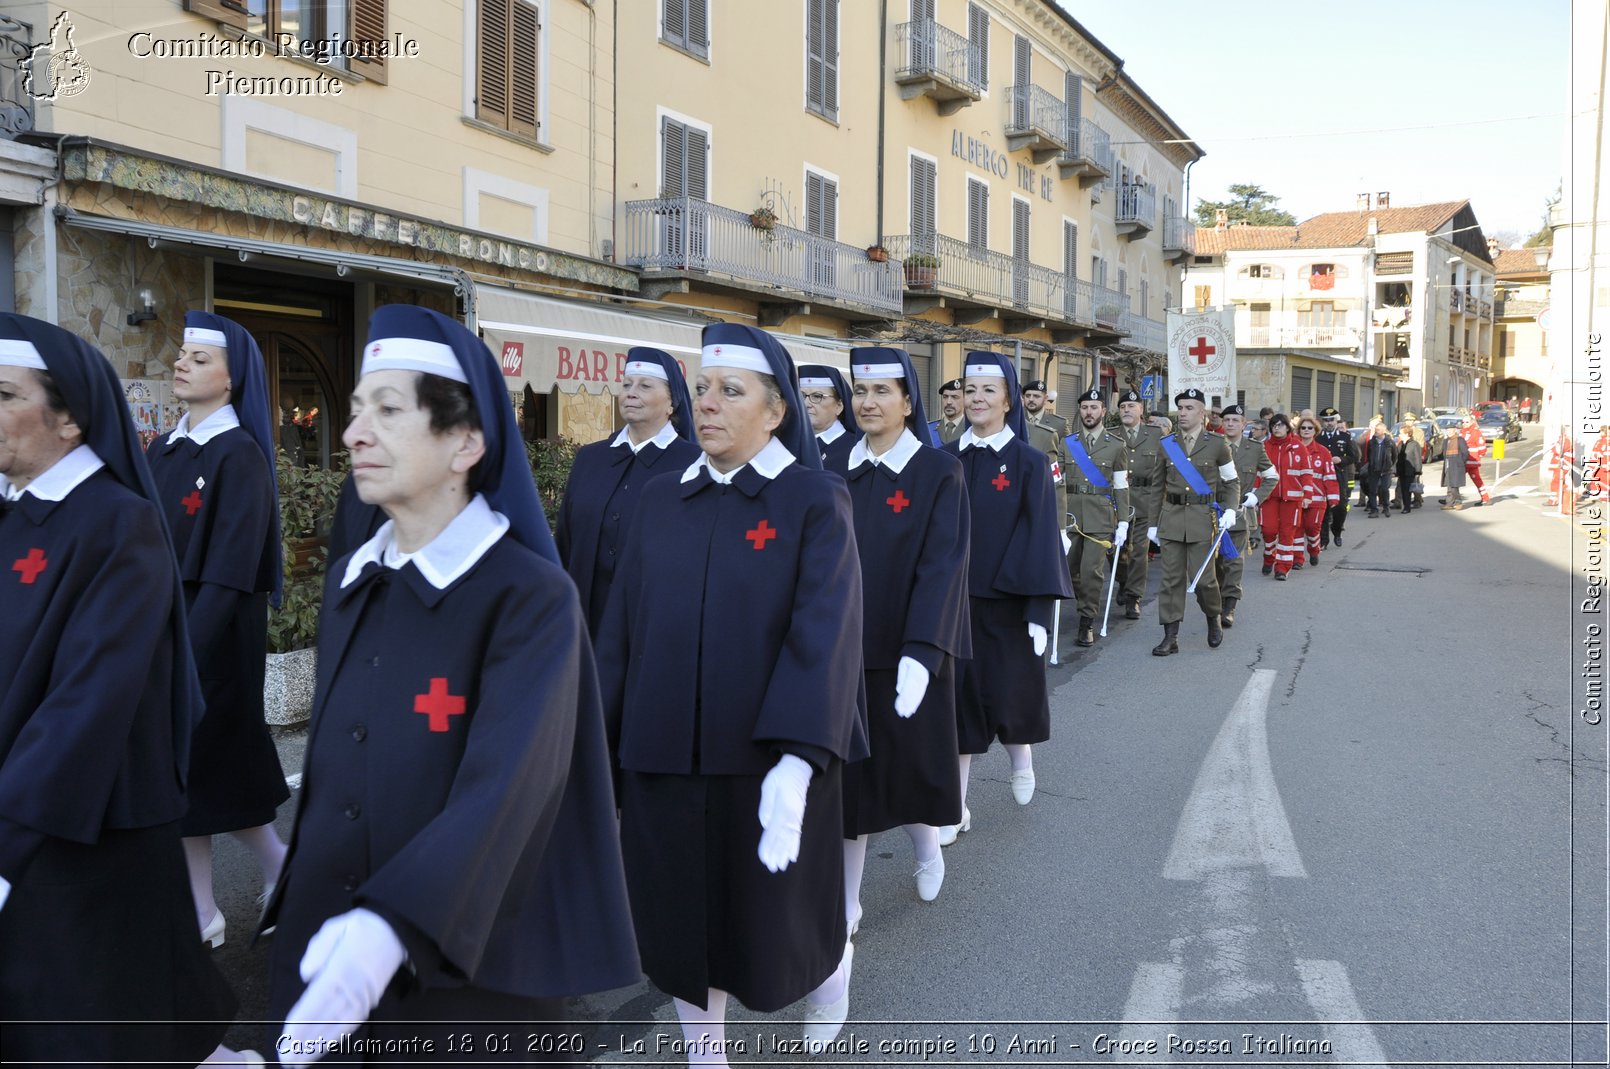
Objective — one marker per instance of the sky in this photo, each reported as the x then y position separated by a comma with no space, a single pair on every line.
1430,100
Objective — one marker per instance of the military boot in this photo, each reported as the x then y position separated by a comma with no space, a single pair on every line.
1227,617
1215,635
1171,641
1087,632
1132,610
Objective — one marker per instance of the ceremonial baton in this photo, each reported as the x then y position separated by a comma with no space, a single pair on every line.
1218,535
1056,629
1112,579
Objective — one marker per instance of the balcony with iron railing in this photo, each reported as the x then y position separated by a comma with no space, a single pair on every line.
977,283
682,237
16,103
1179,237
939,63
1137,211
1038,122
1334,337
1088,156
1456,301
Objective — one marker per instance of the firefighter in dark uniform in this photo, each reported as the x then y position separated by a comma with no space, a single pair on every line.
1046,433
1344,450
1098,508
949,426
1258,477
1145,494
1200,495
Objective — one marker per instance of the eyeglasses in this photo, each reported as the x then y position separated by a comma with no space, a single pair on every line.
818,398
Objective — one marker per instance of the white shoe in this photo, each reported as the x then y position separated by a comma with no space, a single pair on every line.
855,920
948,832
213,932
930,877
1023,786
823,1023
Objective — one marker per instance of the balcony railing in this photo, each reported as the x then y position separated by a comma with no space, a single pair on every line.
1143,333
1179,235
1304,337
1089,153
1039,122
1456,301
938,62
1137,211
684,234
16,104
1485,308
1391,318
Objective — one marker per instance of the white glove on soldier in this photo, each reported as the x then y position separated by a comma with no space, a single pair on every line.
782,811
5,891
1250,500
1226,519
910,684
1121,534
1151,533
347,966
1067,544
1037,636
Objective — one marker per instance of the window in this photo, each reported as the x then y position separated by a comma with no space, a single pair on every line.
822,220
1022,60
924,178
1073,92
1344,396
1326,393
1322,277
1123,288
1020,250
1262,271
1145,308
1204,296
687,26
822,57
1320,315
978,35
977,214
1070,271
1260,324
358,21
506,66
684,182
1302,389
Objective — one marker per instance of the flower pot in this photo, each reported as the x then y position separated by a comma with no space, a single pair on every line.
762,220
920,277
288,682
877,254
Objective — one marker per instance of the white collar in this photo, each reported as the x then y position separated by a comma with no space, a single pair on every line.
996,441
768,463
899,455
834,432
662,438
449,555
220,421
60,479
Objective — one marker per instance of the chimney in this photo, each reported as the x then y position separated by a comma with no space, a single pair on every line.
1374,227
1382,199
1492,249
1221,218
1363,202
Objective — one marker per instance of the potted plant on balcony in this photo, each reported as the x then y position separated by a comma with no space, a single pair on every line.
921,270
877,254
763,218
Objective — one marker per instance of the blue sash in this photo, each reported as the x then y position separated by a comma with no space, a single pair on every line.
1081,457
933,432
1199,486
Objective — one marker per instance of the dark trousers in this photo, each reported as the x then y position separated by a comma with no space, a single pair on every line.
1378,490
1404,482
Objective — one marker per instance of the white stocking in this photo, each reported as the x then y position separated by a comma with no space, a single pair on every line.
854,866
705,1031
1019,753
965,761
265,844
924,841
198,859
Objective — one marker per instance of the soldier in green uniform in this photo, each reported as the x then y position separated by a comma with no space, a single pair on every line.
1198,474
950,425
1098,507
1145,494
1257,478
1046,433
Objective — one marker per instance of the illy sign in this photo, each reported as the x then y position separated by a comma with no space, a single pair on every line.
513,359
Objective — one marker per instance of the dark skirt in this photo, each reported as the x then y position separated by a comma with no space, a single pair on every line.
1001,692
911,777
707,912
235,776
99,944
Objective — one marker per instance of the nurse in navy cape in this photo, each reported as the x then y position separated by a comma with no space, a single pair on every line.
608,476
1016,572
730,658
455,857
98,700
215,485
911,529
827,403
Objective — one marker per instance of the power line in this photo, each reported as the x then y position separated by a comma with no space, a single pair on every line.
1344,133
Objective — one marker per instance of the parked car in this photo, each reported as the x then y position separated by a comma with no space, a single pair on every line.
1433,439
1481,406
1448,410
1499,422
1444,425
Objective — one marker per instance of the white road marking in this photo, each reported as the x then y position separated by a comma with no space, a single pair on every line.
1331,994
1234,818
1154,996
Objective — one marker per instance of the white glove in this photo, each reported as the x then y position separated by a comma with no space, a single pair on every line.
1226,519
782,811
1121,534
910,684
1151,533
1037,636
1067,544
347,966
5,891
1250,500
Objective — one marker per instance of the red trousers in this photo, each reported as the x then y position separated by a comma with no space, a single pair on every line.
1313,523
1473,473
1282,533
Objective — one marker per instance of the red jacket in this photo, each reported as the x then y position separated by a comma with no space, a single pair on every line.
1477,443
1320,487
1290,461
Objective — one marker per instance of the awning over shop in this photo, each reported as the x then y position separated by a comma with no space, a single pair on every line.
576,345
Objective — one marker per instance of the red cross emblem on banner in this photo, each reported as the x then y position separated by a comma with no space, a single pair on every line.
1202,350
29,567
898,501
437,704
192,503
761,534
1000,482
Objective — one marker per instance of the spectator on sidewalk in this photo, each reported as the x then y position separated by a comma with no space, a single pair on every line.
1411,460
1380,462
1455,456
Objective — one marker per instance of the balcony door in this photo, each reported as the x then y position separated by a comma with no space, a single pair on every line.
1020,252
923,43
683,239
822,222
1070,270
1022,55
924,181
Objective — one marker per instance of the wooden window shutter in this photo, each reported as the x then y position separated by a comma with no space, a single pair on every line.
696,181
830,58
676,21
922,10
673,138
815,51
1070,249
698,27
1022,58
813,203
1073,89
492,62
1123,286
978,215
369,24
978,34
523,109
924,177
1020,229
225,12
830,209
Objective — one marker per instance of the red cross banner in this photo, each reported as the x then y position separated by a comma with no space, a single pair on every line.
1201,354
